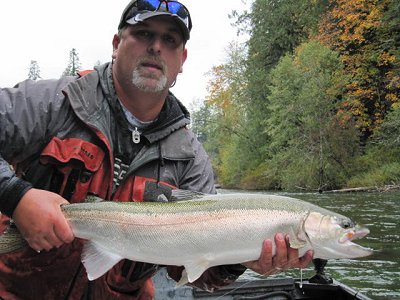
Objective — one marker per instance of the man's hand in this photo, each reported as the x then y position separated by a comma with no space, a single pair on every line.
285,257
39,218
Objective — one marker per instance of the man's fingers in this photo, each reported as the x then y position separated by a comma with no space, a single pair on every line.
281,257
285,257
264,264
40,245
265,261
54,240
292,255
266,253
63,231
306,259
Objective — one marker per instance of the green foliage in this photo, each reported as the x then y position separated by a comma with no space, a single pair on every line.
303,125
276,27
388,135
378,167
221,121
264,176
288,111
381,163
391,28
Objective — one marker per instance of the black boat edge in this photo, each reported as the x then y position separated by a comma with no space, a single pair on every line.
272,289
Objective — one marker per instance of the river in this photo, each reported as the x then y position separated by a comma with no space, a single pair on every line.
376,276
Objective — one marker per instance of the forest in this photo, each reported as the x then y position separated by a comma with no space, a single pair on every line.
311,101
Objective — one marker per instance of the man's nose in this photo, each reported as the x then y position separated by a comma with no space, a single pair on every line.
155,45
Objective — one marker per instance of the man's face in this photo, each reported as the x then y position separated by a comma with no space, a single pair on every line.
149,55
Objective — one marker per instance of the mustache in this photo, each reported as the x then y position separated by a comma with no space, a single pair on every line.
152,61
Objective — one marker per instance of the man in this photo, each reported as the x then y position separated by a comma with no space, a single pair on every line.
118,133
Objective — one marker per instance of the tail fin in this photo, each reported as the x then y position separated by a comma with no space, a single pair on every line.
11,240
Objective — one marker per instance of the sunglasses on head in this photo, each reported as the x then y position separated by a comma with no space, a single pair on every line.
173,7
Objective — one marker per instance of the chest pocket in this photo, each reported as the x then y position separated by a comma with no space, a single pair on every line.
140,189
80,168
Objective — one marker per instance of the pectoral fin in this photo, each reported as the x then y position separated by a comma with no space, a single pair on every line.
193,270
184,279
295,241
97,260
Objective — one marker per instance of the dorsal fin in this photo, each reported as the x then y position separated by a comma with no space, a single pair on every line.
185,195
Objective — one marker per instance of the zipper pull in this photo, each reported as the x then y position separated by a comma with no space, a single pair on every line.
136,136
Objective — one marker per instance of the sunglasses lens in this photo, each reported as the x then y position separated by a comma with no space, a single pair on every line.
173,7
150,5
178,9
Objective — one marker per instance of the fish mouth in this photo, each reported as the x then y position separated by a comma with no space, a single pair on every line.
354,249
351,235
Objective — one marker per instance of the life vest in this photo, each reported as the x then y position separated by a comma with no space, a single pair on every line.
75,168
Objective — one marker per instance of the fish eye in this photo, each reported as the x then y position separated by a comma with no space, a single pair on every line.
346,224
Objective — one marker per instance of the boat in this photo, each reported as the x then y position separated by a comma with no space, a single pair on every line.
270,289
318,287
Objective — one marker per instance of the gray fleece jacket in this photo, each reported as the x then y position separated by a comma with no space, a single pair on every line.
36,114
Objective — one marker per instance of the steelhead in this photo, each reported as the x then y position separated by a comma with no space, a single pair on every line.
208,231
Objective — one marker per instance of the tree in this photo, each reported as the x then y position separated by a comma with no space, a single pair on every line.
226,97
34,70
276,28
74,65
388,134
311,147
363,31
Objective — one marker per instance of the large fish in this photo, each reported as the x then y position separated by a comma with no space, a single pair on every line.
211,230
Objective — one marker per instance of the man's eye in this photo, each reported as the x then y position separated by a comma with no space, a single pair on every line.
143,34
169,39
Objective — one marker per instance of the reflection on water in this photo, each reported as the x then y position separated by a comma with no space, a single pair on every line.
377,276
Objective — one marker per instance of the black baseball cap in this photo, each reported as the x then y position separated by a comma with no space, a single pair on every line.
140,10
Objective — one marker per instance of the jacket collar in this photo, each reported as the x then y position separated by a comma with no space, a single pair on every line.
87,103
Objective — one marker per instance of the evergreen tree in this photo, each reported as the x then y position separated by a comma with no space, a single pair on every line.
34,70
280,117
74,65
277,28
388,134
310,145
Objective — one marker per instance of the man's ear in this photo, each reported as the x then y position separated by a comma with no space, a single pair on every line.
115,44
184,56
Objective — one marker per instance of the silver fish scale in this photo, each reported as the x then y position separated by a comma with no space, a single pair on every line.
187,229
211,230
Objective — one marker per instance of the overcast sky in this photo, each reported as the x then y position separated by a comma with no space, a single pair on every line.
46,31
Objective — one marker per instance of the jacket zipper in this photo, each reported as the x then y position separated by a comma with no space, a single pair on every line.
136,136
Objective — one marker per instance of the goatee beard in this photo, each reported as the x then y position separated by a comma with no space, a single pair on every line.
141,80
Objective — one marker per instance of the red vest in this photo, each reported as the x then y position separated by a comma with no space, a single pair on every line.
59,274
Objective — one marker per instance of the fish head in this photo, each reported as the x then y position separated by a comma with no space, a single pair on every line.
331,236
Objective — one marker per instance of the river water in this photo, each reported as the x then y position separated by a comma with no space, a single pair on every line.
376,276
